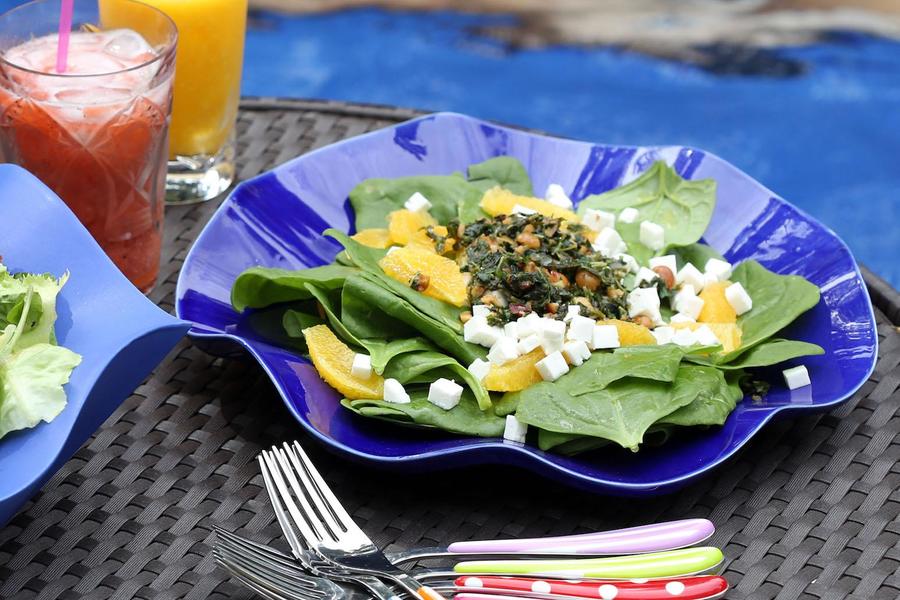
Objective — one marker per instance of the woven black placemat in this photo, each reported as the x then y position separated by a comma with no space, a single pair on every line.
811,508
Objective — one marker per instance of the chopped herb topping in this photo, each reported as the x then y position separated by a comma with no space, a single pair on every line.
532,263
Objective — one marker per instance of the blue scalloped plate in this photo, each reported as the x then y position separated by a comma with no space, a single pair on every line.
120,334
276,220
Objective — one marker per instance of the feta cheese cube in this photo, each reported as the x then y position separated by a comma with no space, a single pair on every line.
445,393
628,215
796,377
417,202
738,298
503,351
644,274
553,335
709,278
479,369
690,275
576,352
394,392
663,334
598,219
719,269
684,337
706,337
481,310
668,261
682,318
529,324
687,302
644,301
527,344
361,368
605,336
477,331
581,329
518,209
515,430
653,235
511,330
572,311
629,261
609,243
557,196
552,367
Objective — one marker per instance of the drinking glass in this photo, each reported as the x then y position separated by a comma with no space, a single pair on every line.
96,134
207,92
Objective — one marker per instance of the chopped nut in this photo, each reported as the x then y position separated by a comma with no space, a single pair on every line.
420,282
465,316
587,280
643,320
529,240
665,273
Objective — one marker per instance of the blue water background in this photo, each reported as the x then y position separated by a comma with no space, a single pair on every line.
827,140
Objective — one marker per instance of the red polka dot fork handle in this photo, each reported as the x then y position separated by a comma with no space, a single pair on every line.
704,587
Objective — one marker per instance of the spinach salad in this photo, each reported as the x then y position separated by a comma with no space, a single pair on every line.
466,304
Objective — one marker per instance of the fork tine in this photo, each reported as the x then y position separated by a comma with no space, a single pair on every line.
327,526
325,491
260,563
261,586
324,509
283,520
232,540
264,575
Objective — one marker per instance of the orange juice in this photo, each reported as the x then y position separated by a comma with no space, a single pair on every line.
207,73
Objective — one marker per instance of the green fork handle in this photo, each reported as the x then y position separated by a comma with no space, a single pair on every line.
673,563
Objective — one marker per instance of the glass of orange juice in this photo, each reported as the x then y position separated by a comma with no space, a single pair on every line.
207,92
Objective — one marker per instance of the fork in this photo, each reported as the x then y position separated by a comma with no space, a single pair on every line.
328,529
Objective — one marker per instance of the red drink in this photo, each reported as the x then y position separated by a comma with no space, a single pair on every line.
96,135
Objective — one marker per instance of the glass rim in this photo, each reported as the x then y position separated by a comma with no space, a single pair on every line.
170,45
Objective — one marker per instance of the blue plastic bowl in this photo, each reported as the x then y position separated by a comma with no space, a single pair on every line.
276,220
120,334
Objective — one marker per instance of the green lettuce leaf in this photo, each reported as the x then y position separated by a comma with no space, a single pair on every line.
374,199
505,171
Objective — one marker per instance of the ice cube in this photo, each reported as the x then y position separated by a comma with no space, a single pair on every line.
127,44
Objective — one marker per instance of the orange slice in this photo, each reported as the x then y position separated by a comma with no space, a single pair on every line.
404,224
716,308
631,334
515,375
333,359
420,239
373,238
444,279
498,201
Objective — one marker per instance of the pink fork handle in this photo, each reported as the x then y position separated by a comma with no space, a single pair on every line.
633,540
680,588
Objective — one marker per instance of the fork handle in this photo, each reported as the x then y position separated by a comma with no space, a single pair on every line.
427,593
684,588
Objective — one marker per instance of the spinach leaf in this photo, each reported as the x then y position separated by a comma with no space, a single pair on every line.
777,301
366,320
681,206
659,363
568,444
622,412
374,199
383,351
696,254
716,397
258,287
412,366
505,171
465,419
470,210
371,290
764,354
337,326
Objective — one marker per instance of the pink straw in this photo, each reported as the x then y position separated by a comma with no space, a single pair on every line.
65,27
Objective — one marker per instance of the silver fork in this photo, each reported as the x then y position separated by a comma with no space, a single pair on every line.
279,573
303,552
326,526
